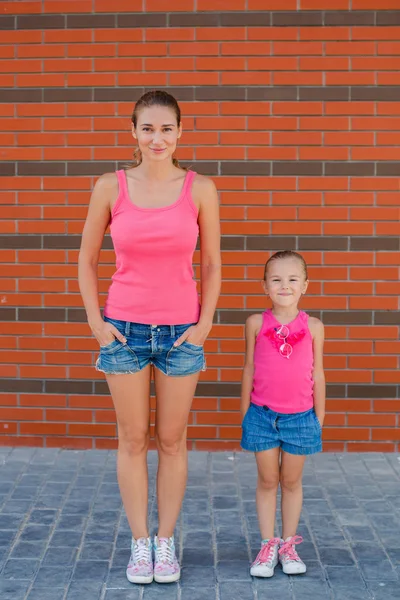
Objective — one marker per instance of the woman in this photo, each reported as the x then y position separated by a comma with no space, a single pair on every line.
152,316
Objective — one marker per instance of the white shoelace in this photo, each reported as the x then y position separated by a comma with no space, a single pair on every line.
141,553
165,552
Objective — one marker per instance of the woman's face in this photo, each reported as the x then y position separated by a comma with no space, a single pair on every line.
157,133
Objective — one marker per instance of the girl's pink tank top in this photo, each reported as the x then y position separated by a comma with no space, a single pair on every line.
283,384
154,281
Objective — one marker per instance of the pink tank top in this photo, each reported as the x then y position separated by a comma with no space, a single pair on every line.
283,384
154,247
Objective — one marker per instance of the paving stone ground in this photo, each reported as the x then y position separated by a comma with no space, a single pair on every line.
64,535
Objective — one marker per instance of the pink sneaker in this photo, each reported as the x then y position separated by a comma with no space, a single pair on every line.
266,560
166,566
140,567
288,557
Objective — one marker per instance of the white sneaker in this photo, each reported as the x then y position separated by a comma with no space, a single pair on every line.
266,560
288,557
140,567
166,565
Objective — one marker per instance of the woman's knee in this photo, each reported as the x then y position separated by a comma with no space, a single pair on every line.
172,445
133,443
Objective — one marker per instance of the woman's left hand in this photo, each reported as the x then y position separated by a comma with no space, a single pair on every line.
195,334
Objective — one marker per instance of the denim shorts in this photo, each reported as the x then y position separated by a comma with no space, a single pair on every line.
150,344
298,433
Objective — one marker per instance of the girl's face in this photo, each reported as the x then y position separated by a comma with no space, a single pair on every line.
157,133
285,282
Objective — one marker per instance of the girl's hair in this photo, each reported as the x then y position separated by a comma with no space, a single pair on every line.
155,98
286,254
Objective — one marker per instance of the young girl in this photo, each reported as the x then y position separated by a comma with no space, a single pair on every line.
282,406
153,322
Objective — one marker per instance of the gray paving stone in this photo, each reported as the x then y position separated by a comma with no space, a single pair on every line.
133,593
46,593
13,590
351,504
20,568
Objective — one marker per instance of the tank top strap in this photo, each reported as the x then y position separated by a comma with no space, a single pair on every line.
267,321
123,195
303,318
187,190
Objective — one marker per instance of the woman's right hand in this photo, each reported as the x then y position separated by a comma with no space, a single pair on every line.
105,333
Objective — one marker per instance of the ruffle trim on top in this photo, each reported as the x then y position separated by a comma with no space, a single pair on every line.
292,339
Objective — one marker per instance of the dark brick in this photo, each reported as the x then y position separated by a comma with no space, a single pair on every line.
7,22
390,317
142,20
41,314
375,243
41,21
101,387
219,93
20,241
324,93
347,317
87,21
184,94
232,242
22,385
76,315
61,241
268,242
383,93
335,390
349,18
284,168
388,17
245,19
7,169
349,168
200,19
297,19
90,168
229,390
41,168
204,168
272,93
21,95
323,243
68,94
7,313
371,391
234,316
388,168
245,168
68,387
115,94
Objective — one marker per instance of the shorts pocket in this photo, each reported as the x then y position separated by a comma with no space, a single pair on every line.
117,358
185,359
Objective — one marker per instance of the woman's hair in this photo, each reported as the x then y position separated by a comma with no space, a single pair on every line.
286,254
155,98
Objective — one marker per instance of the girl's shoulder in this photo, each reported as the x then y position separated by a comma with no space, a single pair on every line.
254,323
316,327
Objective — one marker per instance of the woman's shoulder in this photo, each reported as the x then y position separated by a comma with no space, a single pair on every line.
204,190
107,181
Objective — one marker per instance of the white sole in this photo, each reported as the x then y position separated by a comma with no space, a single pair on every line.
260,575
167,578
295,572
139,579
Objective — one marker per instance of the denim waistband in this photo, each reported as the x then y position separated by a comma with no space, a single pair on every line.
130,328
278,414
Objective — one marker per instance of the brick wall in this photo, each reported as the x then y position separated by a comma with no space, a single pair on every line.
293,109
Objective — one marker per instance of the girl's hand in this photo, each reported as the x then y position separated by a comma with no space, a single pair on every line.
196,335
321,420
105,333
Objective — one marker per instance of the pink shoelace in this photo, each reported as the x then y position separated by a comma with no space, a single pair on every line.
288,548
264,556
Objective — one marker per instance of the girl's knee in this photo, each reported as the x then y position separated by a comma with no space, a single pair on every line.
268,482
290,484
